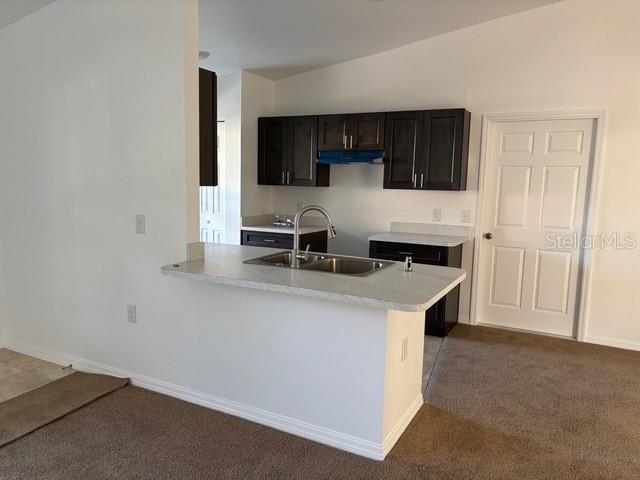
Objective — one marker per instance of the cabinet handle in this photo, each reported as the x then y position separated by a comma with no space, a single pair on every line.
350,142
344,140
288,178
283,177
268,240
421,180
408,254
415,180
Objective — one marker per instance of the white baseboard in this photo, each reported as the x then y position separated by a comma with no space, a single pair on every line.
464,319
612,342
399,428
342,441
606,341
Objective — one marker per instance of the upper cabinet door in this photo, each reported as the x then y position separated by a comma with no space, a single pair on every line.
445,150
366,131
402,149
272,151
302,151
332,132
208,129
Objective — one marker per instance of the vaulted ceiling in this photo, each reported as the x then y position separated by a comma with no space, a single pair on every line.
278,38
13,10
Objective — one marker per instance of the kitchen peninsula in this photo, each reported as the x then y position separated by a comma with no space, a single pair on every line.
335,358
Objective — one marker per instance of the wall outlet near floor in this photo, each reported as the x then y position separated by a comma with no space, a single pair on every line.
141,224
132,316
436,216
404,349
465,216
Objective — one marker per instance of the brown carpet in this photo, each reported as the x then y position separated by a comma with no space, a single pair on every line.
25,413
500,405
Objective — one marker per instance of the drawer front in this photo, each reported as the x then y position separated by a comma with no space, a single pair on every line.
266,239
426,254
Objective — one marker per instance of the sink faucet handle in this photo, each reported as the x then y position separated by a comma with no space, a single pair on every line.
408,264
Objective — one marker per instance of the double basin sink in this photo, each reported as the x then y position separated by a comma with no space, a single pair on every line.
321,262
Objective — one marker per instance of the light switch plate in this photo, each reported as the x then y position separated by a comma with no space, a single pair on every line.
404,349
132,316
141,224
465,216
437,215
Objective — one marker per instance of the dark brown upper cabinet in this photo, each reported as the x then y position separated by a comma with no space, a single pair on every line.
357,131
287,152
445,144
208,129
402,154
272,151
332,132
427,150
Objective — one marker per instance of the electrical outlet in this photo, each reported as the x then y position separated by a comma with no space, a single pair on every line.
141,224
465,217
404,349
132,316
299,206
437,215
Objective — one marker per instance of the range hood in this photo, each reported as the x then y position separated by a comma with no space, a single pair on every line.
373,157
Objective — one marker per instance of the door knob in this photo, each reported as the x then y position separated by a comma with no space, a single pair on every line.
488,235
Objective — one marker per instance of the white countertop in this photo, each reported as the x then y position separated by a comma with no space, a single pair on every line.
434,239
390,288
286,230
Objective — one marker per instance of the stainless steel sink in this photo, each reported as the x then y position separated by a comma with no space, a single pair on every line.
318,262
284,259
347,266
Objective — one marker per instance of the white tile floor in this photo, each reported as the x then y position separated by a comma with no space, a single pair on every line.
21,373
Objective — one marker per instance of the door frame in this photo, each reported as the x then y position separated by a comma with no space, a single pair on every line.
592,207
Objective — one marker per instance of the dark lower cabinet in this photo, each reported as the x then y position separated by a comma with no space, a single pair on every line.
427,150
208,129
317,241
287,152
442,316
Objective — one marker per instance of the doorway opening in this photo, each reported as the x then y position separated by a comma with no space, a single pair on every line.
212,199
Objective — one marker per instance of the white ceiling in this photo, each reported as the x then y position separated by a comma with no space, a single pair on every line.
13,10
278,38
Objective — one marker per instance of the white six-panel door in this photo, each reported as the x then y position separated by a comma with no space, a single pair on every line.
535,189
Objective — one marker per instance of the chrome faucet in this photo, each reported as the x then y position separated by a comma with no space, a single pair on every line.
295,261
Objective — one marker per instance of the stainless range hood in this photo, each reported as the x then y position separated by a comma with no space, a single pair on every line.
372,157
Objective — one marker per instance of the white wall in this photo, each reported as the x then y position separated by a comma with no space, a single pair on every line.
230,111
96,121
573,54
94,129
242,98
257,101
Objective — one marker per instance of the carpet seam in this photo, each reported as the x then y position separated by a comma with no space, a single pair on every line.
433,368
92,400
